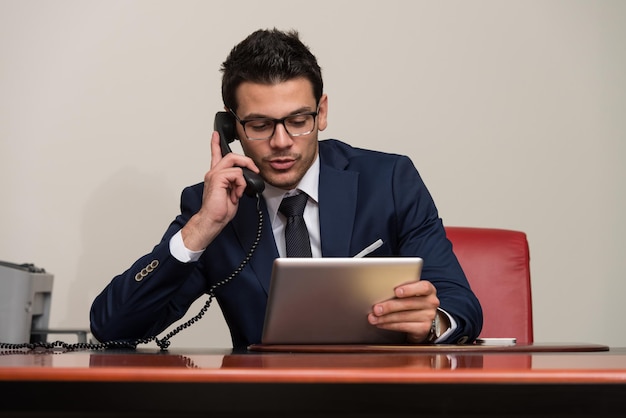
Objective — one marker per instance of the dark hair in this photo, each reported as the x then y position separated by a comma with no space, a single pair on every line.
269,57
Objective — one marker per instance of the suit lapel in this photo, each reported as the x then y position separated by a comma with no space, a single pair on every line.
337,205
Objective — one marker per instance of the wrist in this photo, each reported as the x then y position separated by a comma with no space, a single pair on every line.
438,327
197,234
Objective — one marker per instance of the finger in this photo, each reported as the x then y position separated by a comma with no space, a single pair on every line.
420,328
412,306
238,185
417,327
416,288
404,316
216,150
231,180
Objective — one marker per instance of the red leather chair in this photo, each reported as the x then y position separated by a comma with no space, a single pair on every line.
497,265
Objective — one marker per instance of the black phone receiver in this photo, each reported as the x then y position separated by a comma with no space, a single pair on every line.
225,127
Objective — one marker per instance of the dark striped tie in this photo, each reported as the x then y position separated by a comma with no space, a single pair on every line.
296,235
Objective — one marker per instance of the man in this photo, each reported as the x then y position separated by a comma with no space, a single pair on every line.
272,85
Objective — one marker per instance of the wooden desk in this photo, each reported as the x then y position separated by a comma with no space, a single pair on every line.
425,383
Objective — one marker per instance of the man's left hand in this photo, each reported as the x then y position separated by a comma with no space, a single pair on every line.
412,310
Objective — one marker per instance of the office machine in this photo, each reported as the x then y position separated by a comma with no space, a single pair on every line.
25,296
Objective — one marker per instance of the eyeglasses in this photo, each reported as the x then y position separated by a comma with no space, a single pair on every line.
258,129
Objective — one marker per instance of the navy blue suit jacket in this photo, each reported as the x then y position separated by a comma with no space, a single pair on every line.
363,196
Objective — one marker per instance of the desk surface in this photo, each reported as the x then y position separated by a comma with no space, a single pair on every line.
420,365
218,380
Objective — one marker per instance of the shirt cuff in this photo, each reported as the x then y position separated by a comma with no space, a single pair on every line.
182,253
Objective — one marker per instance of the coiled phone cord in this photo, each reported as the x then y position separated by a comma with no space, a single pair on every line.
163,343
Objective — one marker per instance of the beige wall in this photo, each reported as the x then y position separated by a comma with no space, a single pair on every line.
513,112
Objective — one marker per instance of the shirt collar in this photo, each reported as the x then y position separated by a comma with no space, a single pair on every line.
308,184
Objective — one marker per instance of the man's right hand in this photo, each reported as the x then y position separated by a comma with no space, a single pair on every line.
223,187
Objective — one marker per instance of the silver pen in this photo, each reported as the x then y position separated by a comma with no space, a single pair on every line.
370,248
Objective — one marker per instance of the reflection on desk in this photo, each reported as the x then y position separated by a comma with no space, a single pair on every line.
127,383
302,362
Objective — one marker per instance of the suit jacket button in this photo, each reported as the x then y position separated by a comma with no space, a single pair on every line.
462,340
138,277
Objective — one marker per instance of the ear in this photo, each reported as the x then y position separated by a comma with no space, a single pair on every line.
322,113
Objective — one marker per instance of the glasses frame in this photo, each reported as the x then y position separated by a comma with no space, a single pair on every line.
276,122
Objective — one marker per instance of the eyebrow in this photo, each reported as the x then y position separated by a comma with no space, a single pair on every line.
303,109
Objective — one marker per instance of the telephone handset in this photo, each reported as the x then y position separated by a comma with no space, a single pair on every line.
225,126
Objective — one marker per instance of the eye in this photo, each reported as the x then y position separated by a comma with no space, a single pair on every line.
297,120
259,125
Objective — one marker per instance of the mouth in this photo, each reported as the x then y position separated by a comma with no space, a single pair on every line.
282,164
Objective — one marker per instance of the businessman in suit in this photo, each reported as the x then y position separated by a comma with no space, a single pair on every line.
272,85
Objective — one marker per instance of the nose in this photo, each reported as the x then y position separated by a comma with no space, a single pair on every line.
280,139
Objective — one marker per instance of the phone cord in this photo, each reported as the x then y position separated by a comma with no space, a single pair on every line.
163,343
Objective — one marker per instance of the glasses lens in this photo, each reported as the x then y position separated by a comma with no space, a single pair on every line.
296,125
299,124
259,128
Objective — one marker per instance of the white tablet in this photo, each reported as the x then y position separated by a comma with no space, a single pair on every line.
326,300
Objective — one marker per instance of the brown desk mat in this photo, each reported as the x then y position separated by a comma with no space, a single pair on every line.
439,348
